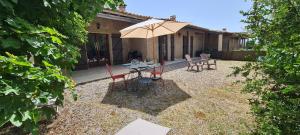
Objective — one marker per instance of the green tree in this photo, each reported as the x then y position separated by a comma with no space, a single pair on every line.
275,78
38,39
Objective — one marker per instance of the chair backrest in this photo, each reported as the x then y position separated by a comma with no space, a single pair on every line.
108,68
204,56
162,66
188,57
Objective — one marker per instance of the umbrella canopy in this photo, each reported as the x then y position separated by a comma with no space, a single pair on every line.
152,28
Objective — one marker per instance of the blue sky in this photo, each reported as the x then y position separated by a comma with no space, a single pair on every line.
212,14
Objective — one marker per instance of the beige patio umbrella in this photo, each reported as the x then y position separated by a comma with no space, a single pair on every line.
152,28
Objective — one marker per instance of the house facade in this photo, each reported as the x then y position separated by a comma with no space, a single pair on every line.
105,45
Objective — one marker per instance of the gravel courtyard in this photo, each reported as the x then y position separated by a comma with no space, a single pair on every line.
189,103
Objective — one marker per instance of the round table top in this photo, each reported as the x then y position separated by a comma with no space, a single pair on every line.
140,65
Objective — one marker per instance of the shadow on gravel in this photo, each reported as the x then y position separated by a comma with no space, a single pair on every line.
151,100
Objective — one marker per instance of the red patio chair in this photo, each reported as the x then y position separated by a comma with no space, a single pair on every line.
159,71
115,77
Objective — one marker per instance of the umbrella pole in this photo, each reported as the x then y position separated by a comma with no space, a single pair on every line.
154,60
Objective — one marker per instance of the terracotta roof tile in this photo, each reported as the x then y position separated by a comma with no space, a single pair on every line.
126,14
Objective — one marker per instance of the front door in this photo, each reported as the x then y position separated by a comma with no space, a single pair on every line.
225,44
185,46
97,49
117,49
163,48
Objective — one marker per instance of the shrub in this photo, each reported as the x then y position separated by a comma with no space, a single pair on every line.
39,39
274,79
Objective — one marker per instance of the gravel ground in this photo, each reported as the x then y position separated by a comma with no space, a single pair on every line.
188,102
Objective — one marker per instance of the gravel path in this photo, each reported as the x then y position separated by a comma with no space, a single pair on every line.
188,102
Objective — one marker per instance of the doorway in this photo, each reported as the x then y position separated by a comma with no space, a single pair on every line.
192,46
225,44
185,46
163,48
97,49
117,49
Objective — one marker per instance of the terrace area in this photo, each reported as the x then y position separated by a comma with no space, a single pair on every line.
100,73
205,102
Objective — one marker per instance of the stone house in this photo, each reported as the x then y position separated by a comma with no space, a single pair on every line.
105,45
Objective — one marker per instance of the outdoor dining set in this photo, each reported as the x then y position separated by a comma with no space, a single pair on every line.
143,74
137,77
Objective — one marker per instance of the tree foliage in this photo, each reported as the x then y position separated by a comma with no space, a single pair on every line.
38,39
275,78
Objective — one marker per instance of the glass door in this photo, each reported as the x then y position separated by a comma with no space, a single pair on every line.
163,48
185,46
97,49
192,47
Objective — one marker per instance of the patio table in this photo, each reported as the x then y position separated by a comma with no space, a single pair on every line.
140,66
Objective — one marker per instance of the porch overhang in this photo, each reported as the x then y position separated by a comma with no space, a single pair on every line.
118,18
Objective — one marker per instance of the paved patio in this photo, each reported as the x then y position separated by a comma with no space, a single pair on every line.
99,73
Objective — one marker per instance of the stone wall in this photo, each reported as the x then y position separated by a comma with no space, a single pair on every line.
239,55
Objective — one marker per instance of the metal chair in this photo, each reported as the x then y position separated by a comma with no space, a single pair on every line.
115,77
159,72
